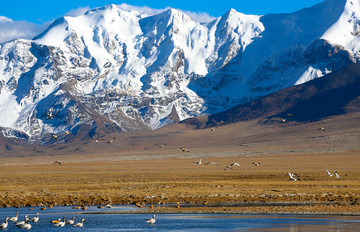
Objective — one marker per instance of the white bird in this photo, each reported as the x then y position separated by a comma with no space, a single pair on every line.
151,220
198,162
109,206
231,165
14,219
211,163
80,224
337,175
4,224
26,226
71,221
330,174
19,224
293,177
35,219
61,223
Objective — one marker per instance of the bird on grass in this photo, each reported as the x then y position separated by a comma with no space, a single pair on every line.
232,165
151,220
293,176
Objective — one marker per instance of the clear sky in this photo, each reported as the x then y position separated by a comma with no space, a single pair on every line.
28,18
40,11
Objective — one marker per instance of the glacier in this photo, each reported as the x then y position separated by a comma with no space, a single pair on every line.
114,70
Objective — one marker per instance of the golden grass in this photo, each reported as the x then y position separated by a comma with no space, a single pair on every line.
180,180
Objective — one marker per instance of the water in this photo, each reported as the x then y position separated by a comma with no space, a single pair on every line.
179,222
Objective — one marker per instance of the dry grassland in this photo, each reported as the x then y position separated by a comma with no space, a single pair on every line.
206,188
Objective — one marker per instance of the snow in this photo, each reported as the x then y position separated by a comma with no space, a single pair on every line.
161,61
346,30
309,75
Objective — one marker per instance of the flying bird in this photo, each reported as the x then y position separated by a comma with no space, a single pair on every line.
337,175
111,140
321,129
211,163
161,145
198,162
231,165
57,162
293,177
256,164
330,174
184,149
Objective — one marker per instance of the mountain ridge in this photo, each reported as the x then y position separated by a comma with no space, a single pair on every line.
114,70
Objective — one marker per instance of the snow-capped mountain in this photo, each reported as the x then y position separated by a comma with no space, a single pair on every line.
114,70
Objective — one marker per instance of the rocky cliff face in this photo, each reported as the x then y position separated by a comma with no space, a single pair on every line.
113,70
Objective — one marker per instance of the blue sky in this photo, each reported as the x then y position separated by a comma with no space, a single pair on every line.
40,11
28,18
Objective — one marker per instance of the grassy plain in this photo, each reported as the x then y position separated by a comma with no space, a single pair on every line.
86,180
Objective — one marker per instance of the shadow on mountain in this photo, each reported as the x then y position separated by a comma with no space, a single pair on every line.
334,94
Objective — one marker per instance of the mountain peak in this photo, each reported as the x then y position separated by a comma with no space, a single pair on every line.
174,15
346,30
111,68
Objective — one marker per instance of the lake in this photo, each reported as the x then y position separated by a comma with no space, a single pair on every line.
120,221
